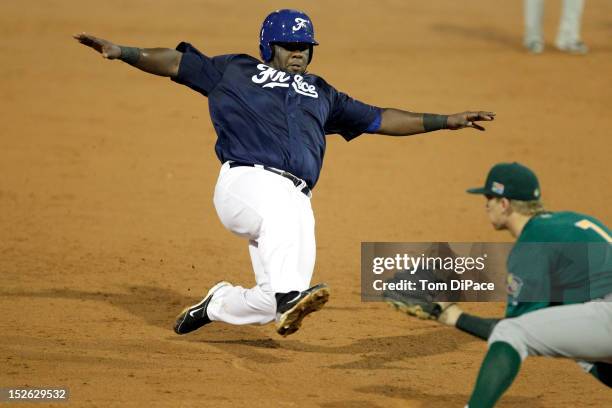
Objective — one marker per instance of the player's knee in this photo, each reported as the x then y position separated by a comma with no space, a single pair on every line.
510,332
261,300
270,300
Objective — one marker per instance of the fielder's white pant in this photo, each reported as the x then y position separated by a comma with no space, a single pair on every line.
277,219
581,332
569,26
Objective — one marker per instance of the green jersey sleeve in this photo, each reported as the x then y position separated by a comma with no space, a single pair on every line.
528,284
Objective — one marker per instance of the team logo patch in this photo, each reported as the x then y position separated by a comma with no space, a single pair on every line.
272,78
497,188
514,284
299,24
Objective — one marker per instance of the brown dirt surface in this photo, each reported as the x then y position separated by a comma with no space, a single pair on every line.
107,227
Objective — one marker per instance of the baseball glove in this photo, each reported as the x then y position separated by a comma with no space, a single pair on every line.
417,301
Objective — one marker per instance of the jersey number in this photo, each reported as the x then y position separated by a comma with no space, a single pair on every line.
586,224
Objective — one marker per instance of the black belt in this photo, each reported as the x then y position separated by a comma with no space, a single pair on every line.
297,182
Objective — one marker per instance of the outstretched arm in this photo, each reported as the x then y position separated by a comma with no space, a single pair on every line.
395,122
157,61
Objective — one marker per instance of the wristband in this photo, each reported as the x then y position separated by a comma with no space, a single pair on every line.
130,55
434,122
476,326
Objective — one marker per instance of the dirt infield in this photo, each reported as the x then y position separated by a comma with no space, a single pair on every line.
107,227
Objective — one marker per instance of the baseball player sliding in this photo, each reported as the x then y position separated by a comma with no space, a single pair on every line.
271,118
559,287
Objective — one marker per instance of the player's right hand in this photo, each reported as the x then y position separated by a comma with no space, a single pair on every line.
104,47
450,313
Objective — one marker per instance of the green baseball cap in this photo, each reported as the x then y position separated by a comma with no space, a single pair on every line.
510,180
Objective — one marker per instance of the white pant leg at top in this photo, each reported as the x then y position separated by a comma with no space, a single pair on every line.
569,26
277,219
534,11
580,332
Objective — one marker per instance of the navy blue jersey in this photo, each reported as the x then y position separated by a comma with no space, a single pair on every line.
270,117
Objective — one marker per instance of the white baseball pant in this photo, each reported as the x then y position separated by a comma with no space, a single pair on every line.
277,219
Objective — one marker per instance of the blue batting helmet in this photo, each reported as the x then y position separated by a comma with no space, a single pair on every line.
288,26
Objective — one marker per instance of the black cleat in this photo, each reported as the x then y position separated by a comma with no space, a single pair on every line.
194,317
291,312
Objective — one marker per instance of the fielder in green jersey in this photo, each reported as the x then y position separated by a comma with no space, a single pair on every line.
559,258
559,287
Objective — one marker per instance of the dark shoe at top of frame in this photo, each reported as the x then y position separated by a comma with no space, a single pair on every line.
293,307
195,316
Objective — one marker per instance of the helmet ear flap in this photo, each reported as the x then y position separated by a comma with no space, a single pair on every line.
311,53
267,52
271,52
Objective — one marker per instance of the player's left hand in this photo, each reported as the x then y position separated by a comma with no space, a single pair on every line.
418,301
468,119
104,47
